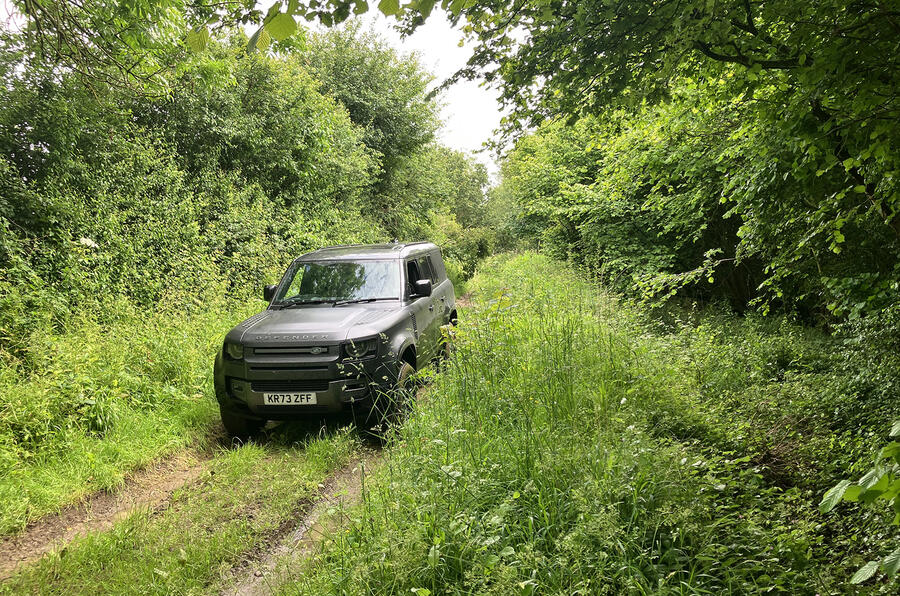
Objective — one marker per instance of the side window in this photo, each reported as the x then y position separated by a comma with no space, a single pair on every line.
437,265
425,268
412,274
435,275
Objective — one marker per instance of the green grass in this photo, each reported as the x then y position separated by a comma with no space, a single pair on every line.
573,446
83,408
208,527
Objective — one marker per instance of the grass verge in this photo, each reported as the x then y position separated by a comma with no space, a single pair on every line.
206,528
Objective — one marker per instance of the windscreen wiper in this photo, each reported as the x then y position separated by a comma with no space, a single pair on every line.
358,301
293,303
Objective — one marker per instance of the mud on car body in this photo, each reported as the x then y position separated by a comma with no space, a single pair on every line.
345,326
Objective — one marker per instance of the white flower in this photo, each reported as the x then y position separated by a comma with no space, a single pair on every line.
85,241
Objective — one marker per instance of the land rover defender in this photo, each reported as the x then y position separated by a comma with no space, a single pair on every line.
344,330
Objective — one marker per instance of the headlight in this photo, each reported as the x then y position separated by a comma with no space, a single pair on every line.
234,351
360,348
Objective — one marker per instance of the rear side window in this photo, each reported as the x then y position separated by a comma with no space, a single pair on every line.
437,267
425,268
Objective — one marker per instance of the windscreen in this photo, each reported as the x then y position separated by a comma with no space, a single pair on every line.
344,280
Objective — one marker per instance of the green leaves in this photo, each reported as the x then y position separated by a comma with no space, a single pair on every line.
281,26
881,483
389,7
864,572
834,496
197,39
890,565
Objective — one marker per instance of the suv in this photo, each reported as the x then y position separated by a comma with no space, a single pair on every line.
345,328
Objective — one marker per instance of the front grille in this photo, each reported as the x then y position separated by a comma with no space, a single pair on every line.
298,385
271,367
314,350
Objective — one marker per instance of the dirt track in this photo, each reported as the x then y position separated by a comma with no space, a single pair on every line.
267,570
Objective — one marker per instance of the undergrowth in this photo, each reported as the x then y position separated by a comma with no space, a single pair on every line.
572,446
83,407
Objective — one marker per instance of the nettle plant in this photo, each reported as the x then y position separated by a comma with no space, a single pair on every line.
880,484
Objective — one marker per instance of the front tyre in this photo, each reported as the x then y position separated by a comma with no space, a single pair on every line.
240,427
388,407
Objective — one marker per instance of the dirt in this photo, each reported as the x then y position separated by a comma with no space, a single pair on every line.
148,488
296,542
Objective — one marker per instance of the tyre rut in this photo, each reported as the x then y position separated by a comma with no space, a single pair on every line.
263,572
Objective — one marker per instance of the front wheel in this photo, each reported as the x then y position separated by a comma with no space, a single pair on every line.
448,335
240,427
388,407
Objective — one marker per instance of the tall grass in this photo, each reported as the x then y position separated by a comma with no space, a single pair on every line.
529,468
574,446
84,407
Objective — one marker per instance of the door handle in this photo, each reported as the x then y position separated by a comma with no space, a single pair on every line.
431,307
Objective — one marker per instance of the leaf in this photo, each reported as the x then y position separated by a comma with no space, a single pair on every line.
389,7
852,493
833,496
895,429
456,6
859,188
864,572
507,551
891,563
263,39
890,451
197,39
425,7
434,556
281,26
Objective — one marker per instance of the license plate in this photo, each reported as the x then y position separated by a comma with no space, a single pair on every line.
289,398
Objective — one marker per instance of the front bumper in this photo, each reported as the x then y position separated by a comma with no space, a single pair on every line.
339,386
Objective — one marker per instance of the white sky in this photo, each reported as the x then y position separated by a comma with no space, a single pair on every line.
470,112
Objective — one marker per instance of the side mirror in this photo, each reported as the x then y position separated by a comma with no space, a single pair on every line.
269,293
423,287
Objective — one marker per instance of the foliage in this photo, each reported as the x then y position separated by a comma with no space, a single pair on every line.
677,197
384,93
881,483
105,400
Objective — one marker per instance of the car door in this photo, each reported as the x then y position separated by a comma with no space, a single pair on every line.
442,292
427,316
418,310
